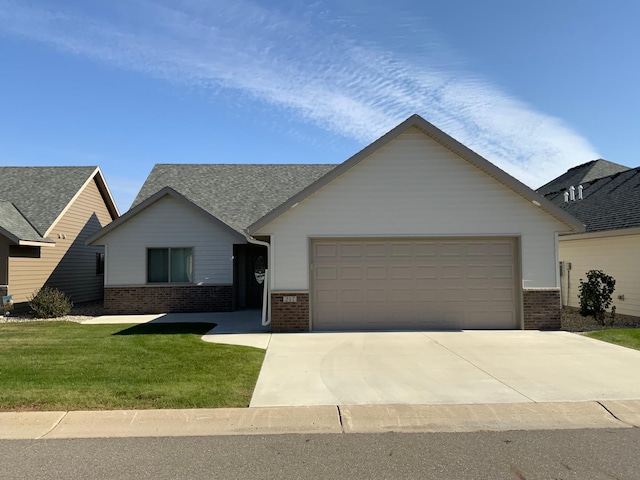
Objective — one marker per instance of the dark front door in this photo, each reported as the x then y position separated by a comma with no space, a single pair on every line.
256,264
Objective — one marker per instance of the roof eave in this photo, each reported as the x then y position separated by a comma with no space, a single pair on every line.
104,191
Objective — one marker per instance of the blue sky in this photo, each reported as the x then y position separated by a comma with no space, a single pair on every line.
534,87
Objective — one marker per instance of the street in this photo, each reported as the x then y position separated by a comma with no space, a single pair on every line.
558,455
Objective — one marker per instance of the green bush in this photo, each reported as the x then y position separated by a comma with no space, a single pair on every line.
50,303
595,295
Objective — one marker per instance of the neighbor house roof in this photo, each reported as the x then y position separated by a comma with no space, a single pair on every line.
446,141
611,202
581,174
34,198
237,194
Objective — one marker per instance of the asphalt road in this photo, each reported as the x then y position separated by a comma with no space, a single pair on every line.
558,455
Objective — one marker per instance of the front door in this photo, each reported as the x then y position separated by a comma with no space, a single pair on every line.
256,264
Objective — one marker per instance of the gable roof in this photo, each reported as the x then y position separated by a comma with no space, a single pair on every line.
446,141
581,174
236,194
41,195
163,192
609,203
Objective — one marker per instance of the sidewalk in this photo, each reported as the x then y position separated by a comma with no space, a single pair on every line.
322,419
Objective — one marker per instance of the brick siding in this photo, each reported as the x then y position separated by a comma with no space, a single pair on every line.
542,309
168,299
290,316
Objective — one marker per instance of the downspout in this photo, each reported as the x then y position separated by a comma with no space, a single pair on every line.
266,303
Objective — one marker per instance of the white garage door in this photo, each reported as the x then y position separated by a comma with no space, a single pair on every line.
377,284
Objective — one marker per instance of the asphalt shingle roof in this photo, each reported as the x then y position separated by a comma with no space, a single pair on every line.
237,194
582,173
39,194
13,222
609,203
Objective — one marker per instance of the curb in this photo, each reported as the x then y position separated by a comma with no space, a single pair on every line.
320,420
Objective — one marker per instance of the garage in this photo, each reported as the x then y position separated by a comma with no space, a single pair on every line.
417,283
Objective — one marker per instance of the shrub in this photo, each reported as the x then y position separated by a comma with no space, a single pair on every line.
50,303
595,295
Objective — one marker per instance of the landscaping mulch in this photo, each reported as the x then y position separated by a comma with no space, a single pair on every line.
572,321
79,313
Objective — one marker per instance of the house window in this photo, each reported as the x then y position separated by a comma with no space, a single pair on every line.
99,263
170,265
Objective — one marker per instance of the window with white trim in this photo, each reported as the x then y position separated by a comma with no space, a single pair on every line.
170,265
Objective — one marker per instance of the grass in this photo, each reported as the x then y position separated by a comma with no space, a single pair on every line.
67,366
626,337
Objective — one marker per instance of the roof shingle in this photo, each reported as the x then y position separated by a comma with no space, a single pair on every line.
40,194
237,194
582,173
609,203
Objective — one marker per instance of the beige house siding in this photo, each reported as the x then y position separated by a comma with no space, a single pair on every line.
413,187
618,256
169,223
71,265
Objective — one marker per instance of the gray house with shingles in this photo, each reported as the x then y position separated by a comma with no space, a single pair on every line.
416,231
606,198
46,214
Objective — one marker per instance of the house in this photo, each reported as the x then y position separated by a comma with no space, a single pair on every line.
608,203
414,231
46,214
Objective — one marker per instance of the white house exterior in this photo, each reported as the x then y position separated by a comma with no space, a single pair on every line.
415,236
415,231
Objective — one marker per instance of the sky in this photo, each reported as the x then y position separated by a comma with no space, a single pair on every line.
534,87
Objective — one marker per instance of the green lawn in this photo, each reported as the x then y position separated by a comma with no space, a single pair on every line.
67,366
627,337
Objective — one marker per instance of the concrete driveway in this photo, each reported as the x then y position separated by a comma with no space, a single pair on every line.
470,367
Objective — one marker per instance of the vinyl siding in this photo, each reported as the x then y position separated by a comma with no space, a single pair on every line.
616,256
169,223
71,265
413,187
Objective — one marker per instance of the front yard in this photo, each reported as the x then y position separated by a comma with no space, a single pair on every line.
67,366
626,337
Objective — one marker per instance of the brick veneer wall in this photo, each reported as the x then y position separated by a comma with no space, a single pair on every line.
290,316
168,299
542,309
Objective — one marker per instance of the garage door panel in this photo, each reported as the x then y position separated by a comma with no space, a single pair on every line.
350,251
326,273
407,284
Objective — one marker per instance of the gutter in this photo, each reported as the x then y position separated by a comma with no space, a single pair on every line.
266,297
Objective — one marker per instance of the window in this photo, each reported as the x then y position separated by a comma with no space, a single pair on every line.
99,263
170,265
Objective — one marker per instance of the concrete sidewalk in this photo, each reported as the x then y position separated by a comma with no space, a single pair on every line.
320,419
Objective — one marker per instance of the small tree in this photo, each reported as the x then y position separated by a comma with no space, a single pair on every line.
595,294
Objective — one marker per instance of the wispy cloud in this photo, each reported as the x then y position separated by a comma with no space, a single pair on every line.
312,64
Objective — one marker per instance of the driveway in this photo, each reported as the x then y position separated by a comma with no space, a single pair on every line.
443,368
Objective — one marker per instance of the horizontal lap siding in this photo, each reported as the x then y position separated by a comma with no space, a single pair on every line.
616,256
169,223
71,265
413,187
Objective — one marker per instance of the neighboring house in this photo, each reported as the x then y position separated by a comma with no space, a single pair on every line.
46,215
414,231
609,206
